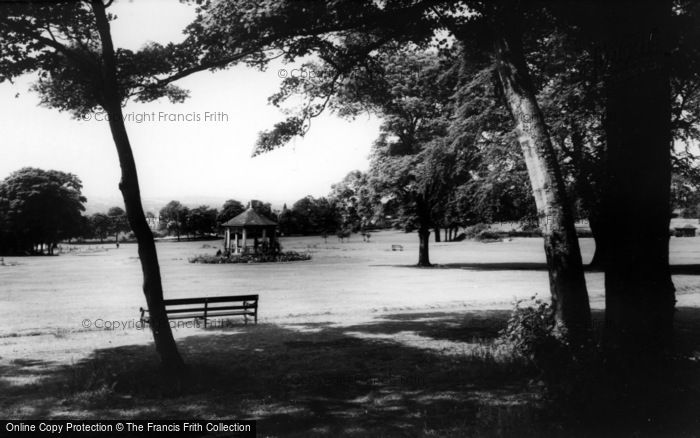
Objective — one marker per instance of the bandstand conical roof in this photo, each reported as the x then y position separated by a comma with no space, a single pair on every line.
249,218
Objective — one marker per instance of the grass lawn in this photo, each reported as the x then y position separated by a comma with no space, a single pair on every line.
355,342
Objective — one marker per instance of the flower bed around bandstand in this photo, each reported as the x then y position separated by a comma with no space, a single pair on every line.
288,256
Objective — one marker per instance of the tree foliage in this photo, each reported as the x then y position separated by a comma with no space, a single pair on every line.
229,210
201,221
355,202
309,216
39,207
100,226
118,221
174,215
263,208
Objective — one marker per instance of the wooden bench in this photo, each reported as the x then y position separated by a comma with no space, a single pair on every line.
209,307
396,248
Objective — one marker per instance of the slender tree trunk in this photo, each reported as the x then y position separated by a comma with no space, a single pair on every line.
640,296
437,234
424,242
129,186
566,277
589,178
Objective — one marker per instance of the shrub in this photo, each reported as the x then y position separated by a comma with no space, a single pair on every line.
530,233
530,329
488,236
568,373
160,233
472,231
289,256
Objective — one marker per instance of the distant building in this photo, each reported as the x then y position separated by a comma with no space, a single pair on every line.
153,222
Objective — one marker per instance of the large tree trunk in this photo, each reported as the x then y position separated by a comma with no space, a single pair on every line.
129,186
424,242
566,277
640,296
423,215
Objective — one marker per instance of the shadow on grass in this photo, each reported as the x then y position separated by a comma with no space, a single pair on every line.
383,378
688,269
458,327
509,266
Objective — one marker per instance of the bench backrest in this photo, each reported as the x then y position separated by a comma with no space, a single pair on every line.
212,304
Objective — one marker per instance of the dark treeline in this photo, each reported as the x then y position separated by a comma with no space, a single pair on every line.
41,208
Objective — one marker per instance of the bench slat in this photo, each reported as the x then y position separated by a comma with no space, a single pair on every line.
200,315
231,314
201,300
209,309
221,308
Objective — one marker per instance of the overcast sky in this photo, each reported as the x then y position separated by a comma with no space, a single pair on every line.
207,160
